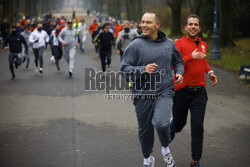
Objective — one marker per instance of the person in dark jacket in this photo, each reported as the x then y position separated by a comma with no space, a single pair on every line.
5,29
105,40
15,41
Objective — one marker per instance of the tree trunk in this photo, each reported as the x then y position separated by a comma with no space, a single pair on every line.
134,9
198,6
225,24
8,11
176,16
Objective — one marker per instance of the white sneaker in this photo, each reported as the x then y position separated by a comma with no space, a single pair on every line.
36,69
168,158
52,59
41,70
152,162
108,69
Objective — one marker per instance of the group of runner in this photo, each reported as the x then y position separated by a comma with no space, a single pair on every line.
145,51
61,35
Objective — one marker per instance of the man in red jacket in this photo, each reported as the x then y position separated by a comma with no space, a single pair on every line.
92,27
192,93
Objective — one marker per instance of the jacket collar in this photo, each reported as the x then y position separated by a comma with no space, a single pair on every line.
199,38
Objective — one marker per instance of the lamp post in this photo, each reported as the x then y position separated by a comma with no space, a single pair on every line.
215,52
17,7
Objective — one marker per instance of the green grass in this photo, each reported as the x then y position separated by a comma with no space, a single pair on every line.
233,58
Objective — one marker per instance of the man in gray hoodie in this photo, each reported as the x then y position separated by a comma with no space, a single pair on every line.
147,62
68,37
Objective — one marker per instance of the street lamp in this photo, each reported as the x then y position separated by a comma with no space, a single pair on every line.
215,52
17,7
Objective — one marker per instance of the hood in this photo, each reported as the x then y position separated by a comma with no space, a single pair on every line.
161,37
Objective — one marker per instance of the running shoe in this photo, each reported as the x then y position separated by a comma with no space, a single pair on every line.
152,162
70,74
195,164
13,77
168,158
41,70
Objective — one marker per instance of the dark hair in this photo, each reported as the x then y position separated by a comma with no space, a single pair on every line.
156,13
40,23
14,26
105,25
192,16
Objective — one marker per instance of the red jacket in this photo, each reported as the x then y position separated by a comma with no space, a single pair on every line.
117,29
92,27
194,70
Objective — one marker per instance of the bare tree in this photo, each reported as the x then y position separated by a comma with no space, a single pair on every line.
175,6
134,9
226,24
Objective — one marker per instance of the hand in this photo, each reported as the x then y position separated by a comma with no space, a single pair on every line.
179,79
121,37
77,44
65,43
150,68
198,55
213,78
5,48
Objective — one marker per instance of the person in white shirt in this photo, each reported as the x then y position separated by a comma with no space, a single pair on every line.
82,34
69,40
39,38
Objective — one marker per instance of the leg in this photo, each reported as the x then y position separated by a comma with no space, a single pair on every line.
72,59
121,53
66,55
180,109
11,61
102,55
36,56
197,109
80,42
161,118
144,114
55,51
109,57
60,53
28,58
40,52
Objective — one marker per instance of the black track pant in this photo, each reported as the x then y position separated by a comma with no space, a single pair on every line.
38,52
105,56
196,101
13,58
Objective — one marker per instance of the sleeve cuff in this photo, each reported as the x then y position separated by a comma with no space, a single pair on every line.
210,72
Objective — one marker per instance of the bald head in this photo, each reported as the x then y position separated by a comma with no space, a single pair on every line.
154,15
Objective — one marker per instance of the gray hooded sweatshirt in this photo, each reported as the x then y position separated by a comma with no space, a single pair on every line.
69,36
143,51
